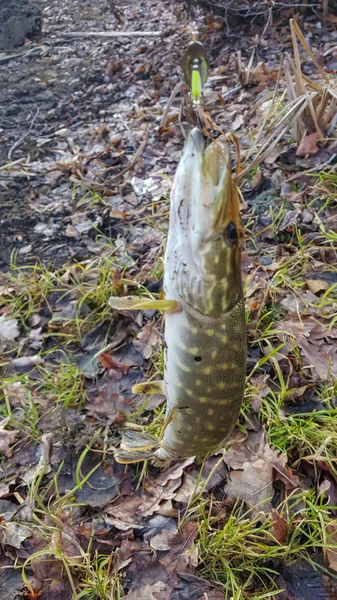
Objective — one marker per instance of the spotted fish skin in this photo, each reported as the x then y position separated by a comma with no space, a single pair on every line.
205,355
205,368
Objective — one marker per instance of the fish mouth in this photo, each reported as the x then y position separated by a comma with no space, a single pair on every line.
196,138
206,177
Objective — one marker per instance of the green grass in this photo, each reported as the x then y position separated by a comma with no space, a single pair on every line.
87,285
242,554
238,551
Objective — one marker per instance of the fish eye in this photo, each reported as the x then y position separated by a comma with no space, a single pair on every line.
231,234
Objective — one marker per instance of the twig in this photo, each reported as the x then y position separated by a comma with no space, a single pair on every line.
231,92
132,163
330,51
268,115
295,108
317,168
12,163
30,51
171,99
89,184
252,9
332,125
268,23
111,34
16,144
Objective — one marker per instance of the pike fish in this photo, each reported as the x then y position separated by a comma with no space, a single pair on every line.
205,327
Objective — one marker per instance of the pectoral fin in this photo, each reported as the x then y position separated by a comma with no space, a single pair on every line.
136,447
136,303
149,387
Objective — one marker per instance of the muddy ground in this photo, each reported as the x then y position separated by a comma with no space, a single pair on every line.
56,91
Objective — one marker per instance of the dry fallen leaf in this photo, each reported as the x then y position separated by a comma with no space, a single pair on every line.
253,467
316,342
147,339
239,120
331,553
257,178
279,526
308,144
181,552
7,437
316,285
109,363
331,18
144,567
283,473
273,155
156,498
9,330
68,541
158,591
191,587
13,534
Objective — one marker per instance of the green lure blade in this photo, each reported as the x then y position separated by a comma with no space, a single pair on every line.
195,68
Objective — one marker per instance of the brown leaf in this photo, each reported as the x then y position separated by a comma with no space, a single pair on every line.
45,569
112,396
283,473
188,488
192,587
316,343
331,18
251,473
68,541
57,590
118,214
124,513
256,179
155,498
113,67
279,526
13,534
254,466
109,363
144,569
158,591
190,478
331,553
106,406
7,437
316,285
308,144
147,338
181,552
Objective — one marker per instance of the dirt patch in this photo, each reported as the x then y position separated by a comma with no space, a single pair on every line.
35,206
18,21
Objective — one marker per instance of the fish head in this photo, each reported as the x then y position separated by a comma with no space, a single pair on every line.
205,234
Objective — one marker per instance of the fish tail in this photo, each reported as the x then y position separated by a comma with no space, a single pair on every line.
136,447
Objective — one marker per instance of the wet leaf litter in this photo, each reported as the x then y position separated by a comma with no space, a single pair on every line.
178,533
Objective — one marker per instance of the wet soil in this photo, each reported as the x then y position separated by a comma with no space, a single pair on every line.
19,20
48,87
